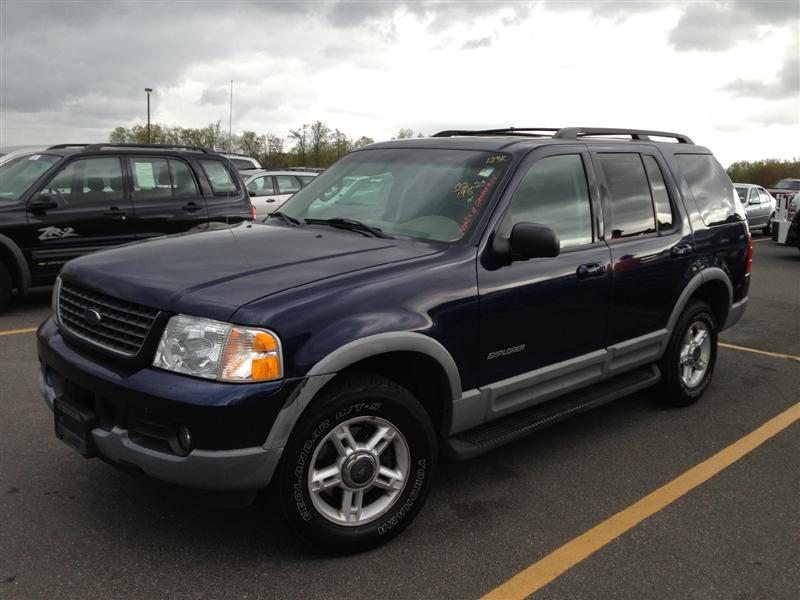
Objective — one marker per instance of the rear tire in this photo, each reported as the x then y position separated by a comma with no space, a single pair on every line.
768,227
688,363
6,285
358,465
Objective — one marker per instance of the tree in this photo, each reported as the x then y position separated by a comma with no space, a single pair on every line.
361,142
320,133
301,142
340,144
252,144
275,157
404,134
765,173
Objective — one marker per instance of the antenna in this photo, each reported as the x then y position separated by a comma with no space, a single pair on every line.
230,163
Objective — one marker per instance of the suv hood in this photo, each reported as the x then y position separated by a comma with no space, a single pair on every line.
213,273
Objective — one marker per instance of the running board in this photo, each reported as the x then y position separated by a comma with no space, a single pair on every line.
507,429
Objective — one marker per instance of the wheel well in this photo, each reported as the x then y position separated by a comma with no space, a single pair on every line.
715,294
419,374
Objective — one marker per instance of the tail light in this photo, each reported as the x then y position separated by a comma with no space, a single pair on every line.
253,212
749,253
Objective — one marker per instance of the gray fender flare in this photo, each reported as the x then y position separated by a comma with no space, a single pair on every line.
23,275
704,276
352,352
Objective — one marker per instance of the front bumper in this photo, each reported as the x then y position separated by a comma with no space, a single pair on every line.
137,409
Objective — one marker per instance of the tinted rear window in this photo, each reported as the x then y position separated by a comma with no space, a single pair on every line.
218,176
629,190
710,186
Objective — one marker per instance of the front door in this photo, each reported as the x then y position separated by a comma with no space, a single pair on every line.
92,211
543,311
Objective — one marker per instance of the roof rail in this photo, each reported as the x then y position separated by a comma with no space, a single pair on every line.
62,146
573,133
93,147
521,131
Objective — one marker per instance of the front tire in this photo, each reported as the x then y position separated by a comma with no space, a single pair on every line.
688,363
358,466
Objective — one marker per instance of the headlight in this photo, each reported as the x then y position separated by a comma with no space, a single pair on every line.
217,350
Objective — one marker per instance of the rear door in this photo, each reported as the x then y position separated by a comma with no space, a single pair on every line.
650,248
166,196
227,201
93,211
263,194
286,185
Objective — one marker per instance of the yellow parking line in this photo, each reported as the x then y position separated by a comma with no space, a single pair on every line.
557,562
16,331
756,351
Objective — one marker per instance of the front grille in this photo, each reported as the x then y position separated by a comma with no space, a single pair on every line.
122,327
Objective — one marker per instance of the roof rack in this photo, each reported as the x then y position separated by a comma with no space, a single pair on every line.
62,146
573,133
521,131
568,133
93,147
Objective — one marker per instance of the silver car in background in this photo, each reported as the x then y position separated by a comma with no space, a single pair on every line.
759,205
270,189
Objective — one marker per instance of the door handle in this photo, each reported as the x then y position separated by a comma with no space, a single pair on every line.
272,199
115,213
681,250
590,270
191,207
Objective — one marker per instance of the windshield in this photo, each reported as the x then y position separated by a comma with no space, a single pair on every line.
430,194
17,175
788,184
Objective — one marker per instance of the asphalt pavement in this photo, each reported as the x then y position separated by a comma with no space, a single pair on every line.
78,528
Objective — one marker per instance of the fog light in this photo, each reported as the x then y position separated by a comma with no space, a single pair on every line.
184,438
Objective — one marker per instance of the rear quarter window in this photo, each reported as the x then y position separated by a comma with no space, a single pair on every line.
219,177
710,186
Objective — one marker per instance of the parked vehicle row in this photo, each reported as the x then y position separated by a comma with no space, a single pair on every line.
270,189
452,293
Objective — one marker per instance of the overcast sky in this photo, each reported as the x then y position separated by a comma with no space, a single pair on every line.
725,73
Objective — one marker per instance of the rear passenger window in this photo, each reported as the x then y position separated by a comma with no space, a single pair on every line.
629,191
287,184
554,193
183,183
218,176
150,178
710,186
664,213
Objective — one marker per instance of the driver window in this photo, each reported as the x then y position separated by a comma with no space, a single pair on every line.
262,186
87,181
554,193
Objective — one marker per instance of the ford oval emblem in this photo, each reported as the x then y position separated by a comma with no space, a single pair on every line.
91,316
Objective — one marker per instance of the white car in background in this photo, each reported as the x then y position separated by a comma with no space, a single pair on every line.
270,189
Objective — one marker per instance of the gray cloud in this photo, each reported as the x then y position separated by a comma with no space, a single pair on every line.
478,43
715,26
785,85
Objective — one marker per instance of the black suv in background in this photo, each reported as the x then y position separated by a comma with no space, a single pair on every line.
72,199
483,286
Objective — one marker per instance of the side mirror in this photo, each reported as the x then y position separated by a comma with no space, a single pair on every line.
42,202
252,193
532,240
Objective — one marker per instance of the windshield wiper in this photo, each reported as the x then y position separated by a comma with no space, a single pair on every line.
283,217
350,224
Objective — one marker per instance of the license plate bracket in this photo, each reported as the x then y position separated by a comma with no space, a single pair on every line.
74,424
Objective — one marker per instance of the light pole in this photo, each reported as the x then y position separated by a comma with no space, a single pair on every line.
148,90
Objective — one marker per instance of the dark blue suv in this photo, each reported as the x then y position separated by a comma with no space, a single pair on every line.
478,287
